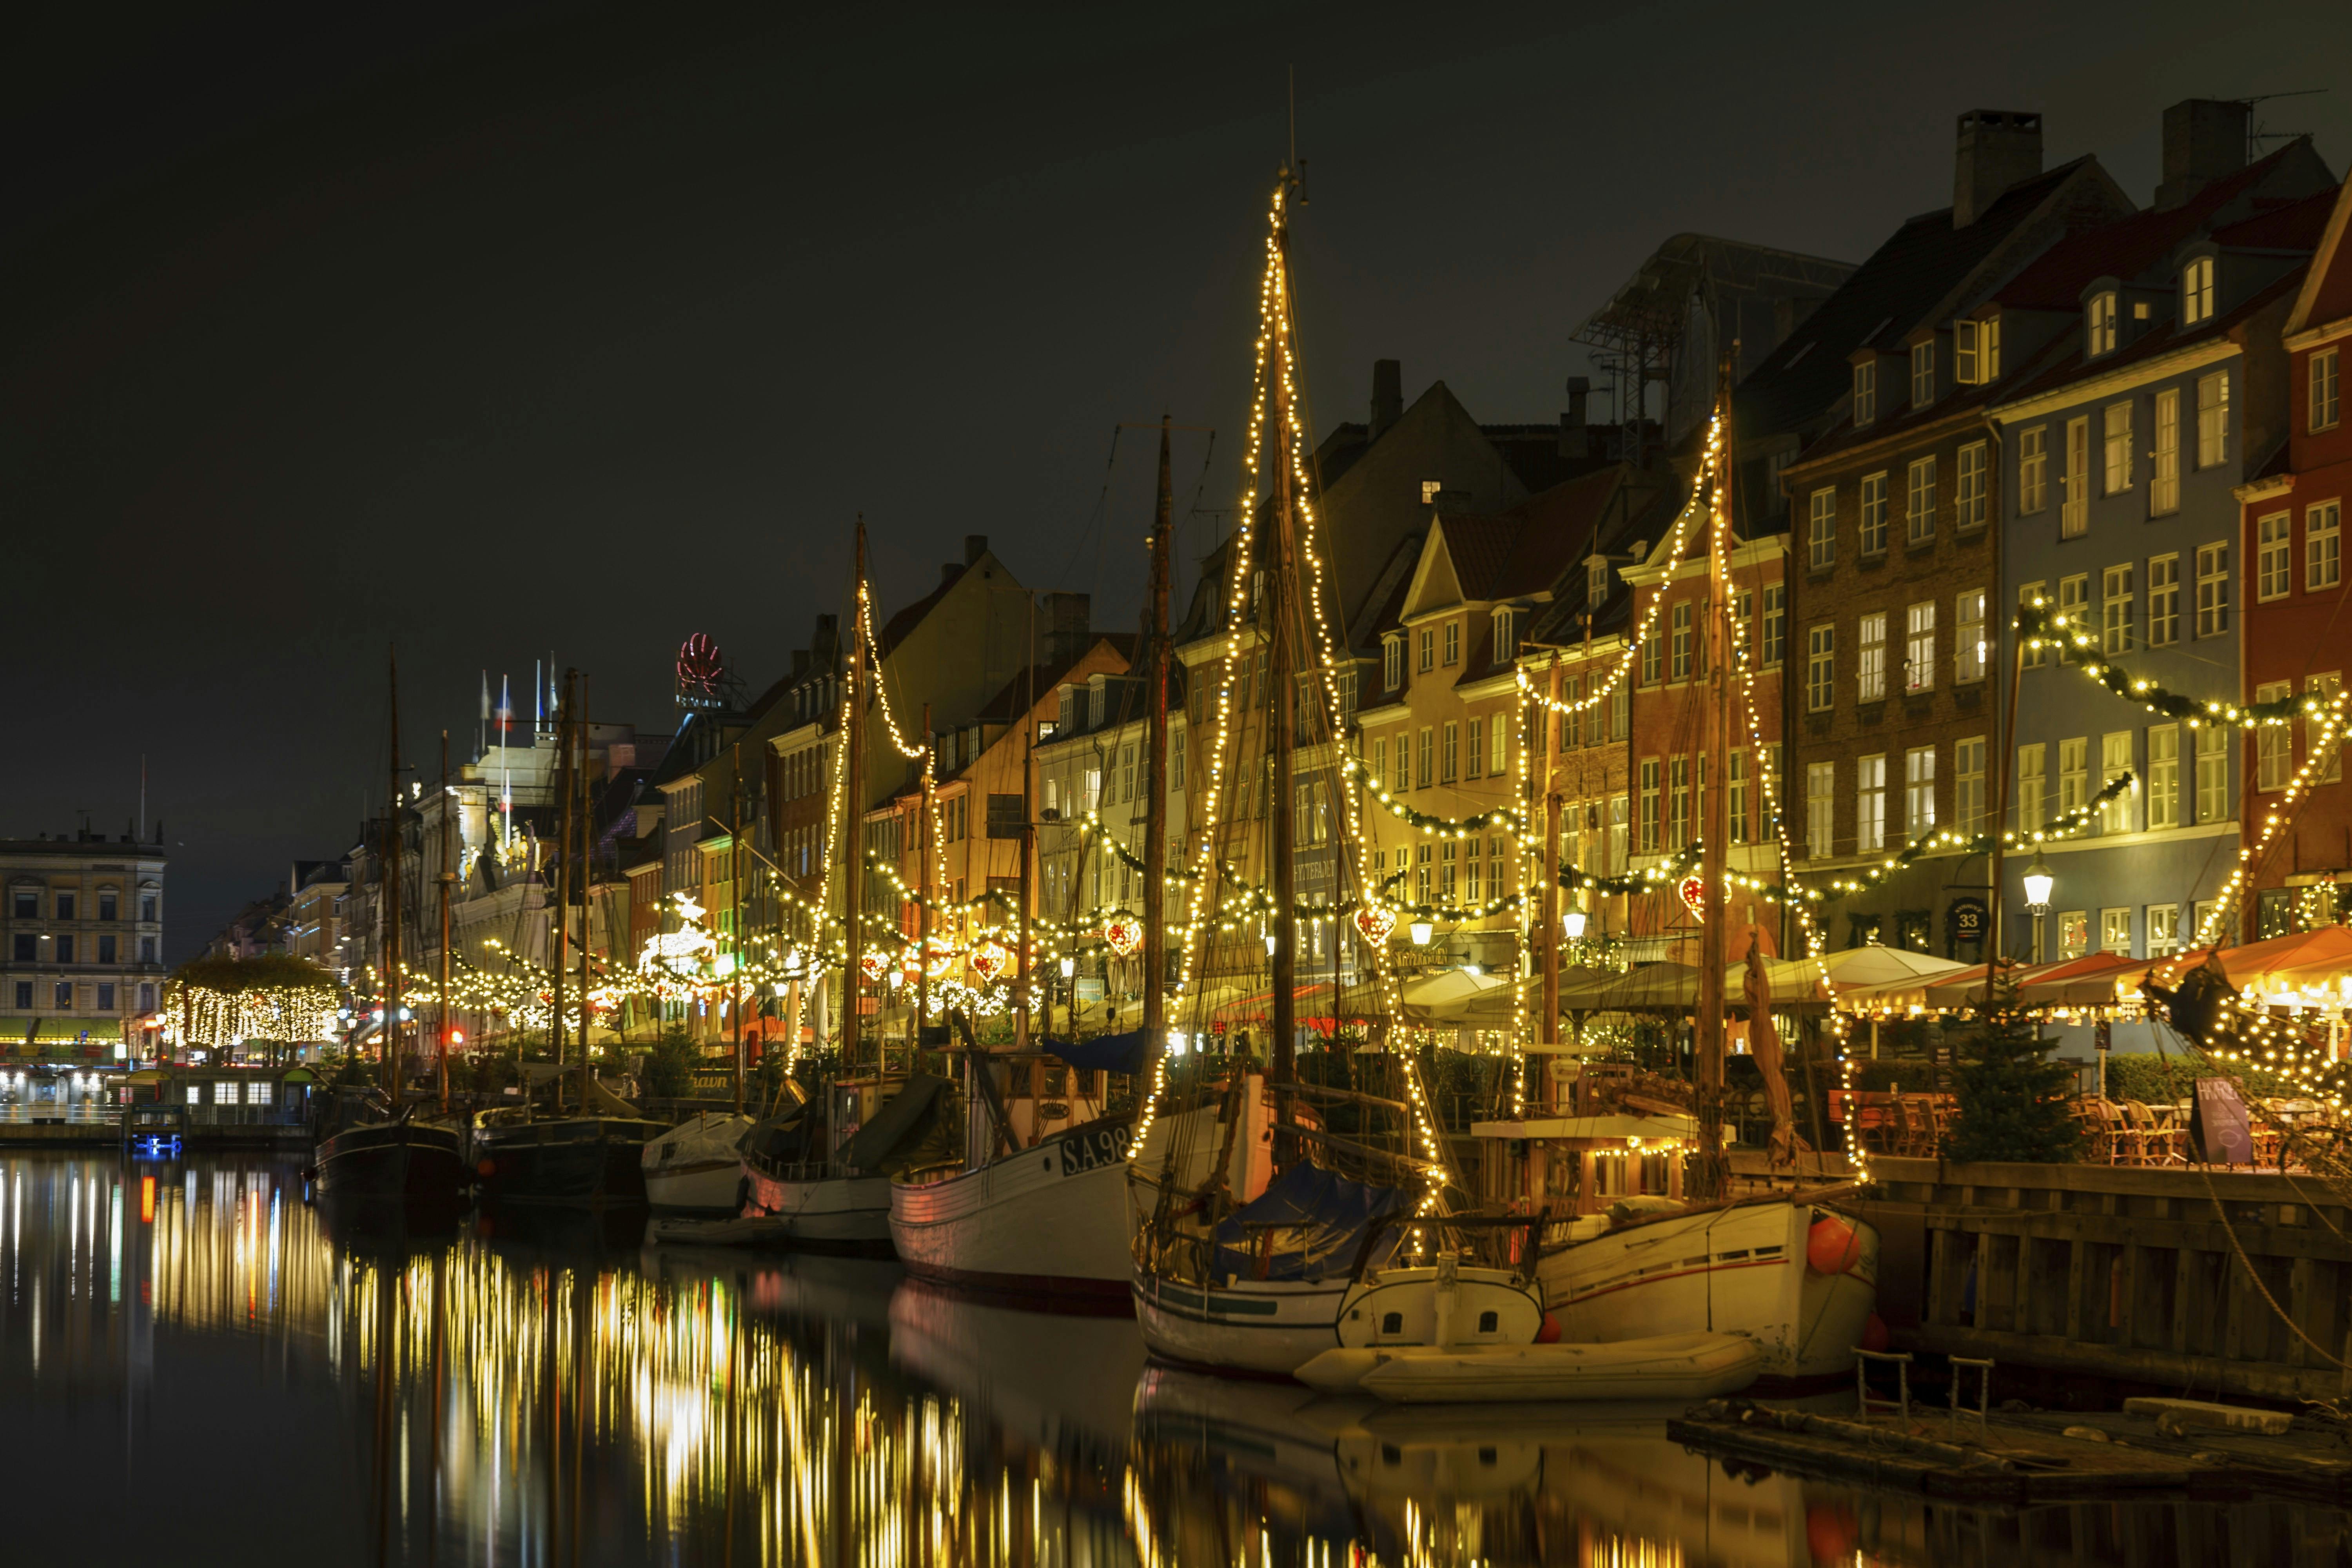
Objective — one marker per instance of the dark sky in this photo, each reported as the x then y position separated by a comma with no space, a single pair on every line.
492,329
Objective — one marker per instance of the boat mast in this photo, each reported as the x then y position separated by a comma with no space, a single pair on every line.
923,818
1715,818
1547,715
441,1013
1282,709
1155,815
562,954
853,814
587,881
390,1043
737,868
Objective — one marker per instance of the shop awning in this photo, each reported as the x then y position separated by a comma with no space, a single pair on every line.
14,1031
47,1031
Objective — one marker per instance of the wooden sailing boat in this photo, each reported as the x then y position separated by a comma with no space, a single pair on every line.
591,1152
819,1174
395,1152
1254,1250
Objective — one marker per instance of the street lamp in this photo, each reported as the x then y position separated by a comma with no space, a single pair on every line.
1421,931
1572,922
2038,885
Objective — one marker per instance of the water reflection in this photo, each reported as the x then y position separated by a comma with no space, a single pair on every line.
195,1366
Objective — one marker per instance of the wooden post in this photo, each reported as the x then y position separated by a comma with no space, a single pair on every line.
1155,849
1549,1027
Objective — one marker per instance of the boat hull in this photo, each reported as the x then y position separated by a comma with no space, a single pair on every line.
1739,1270
565,1159
1263,1326
1048,1222
711,1191
1673,1366
824,1211
397,1160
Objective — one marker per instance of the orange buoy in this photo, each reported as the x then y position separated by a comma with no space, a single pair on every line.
1833,1247
1831,1532
1550,1333
486,1166
1873,1332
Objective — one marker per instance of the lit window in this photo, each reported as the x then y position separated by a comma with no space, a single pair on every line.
1498,743
2074,933
2114,932
2033,468
2117,428
1969,651
1821,530
2117,603
1776,624
1919,647
2163,482
2163,930
2115,762
1505,643
1430,490
1873,514
2033,787
1969,786
2163,776
1870,803
1425,758
1969,491
1428,660
2163,600
1474,752
1821,669
1392,661
2073,775
2212,773
1649,823
2074,605
2322,687
1737,806
2197,291
1918,790
1919,501
1964,353
1449,751
2323,390
1678,802
2212,590
1976,352
1866,390
2099,324
2074,506
1870,660
2274,743
2212,418
2273,556
1821,808
2323,545
1682,642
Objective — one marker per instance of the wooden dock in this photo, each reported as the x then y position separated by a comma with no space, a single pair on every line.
2031,1458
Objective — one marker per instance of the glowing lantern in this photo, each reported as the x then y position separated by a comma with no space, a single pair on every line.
941,962
1123,934
873,964
1693,889
1375,921
988,961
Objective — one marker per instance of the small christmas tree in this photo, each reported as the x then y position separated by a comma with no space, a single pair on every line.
2013,1096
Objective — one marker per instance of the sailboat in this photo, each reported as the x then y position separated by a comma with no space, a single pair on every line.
1792,1272
1262,1237
394,1153
593,1152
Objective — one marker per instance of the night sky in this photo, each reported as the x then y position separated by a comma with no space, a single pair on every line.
488,330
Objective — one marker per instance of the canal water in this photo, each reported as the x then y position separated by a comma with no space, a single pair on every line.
196,1367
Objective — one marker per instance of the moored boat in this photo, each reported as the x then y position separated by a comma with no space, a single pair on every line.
406,1156
1668,1366
697,1167
592,1156
839,1196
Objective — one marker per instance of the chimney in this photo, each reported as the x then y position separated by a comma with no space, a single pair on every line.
1388,395
1997,148
975,545
950,571
1066,622
2204,139
1574,440
800,662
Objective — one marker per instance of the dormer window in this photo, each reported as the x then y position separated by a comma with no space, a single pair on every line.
1505,643
2099,324
1596,582
1922,373
1430,488
1976,352
1865,392
2197,291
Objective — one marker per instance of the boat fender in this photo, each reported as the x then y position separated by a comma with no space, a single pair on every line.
309,1172
486,1166
1831,1532
1873,1332
1550,1333
1833,1247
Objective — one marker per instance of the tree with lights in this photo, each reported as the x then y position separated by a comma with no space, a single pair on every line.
2013,1096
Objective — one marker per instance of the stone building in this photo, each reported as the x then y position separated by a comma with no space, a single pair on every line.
84,924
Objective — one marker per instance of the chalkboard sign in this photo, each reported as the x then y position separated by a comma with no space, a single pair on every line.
2217,1127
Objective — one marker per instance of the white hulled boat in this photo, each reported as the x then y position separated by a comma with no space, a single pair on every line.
697,1167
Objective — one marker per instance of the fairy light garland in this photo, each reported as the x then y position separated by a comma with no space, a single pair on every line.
2251,855
881,687
1502,818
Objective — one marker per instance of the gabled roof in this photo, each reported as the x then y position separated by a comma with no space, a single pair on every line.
2328,288
2068,365
1905,278
1014,699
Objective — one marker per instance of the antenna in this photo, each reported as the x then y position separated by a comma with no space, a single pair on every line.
2255,134
1298,165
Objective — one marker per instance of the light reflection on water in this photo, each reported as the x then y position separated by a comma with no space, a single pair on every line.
198,1367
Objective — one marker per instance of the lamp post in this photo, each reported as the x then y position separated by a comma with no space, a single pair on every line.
2038,883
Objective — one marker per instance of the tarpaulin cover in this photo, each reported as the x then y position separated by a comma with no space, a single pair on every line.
902,1122
1321,1220
789,1139
1107,1053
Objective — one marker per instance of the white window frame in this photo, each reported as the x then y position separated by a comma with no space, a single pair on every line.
1919,647
2323,391
1968,487
2073,775
2074,505
2212,773
1821,538
1821,668
1775,647
2323,545
2274,743
2099,324
2116,471
1870,803
2115,931
1971,652
2118,604
2163,930
2323,686
2116,759
2273,556
2196,290
1919,501
2213,589
1866,390
1969,786
2212,418
2033,470
1874,515
2164,477
2163,600
1919,790
1922,373
2163,776
1870,658
1820,810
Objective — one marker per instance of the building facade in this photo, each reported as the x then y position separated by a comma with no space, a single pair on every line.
85,945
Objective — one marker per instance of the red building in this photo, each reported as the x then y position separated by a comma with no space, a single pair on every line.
2297,628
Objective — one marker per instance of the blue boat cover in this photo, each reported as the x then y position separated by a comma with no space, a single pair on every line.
1108,1053
1320,1223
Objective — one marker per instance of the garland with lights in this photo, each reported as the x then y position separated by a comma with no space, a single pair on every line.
2041,628
1502,819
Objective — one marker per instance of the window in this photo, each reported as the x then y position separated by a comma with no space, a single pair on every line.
1618,858
1680,667
105,997
106,950
2212,590
2164,483
1621,713
2099,324
63,993
1506,639
2324,387
1596,580
1126,773
2029,594
2075,605
2116,428
2114,932
1176,763
2033,468
2033,787
1452,642
2212,773
2073,775
1919,502
1449,751
146,996
2212,417
1821,808
1870,660
1653,656
1969,492
1870,803
1969,654
1475,754
64,906
106,906
1428,650
2274,569
1922,373
2323,547
1965,352
24,995
1737,806
2274,743
27,947
1420,863
27,904
2163,600
1918,790
2074,933
1447,864
1873,514
1678,802
1650,775
1866,390
1403,780
1431,489
65,948
1393,660
2117,603
2322,687
1776,624
2197,291
2163,776
2074,509
1498,746
1380,769
1919,647
2115,762
1474,871
2163,930
1821,669
1820,535
1969,786
1426,758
